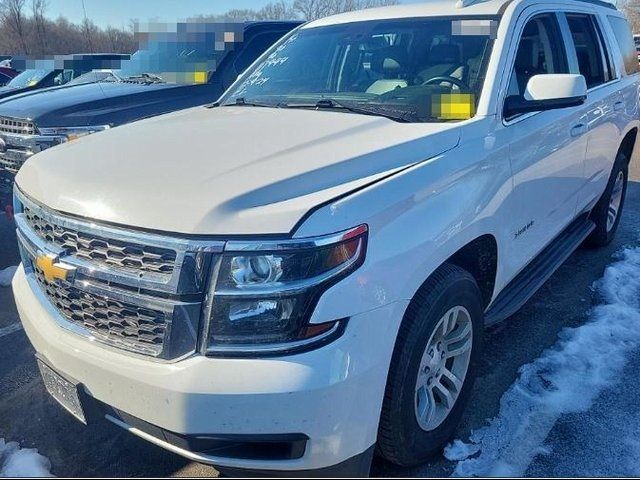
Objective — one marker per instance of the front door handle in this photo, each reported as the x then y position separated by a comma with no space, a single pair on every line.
618,106
578,130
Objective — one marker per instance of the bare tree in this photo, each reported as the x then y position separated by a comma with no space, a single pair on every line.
277,11
38,10
632,10
88,29
12,14
23,34
314,9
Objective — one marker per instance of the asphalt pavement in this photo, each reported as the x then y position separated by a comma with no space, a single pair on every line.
29,416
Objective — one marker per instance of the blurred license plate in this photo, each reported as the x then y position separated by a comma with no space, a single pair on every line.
65,392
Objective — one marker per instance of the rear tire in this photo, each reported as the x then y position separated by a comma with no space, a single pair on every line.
418,418
608,211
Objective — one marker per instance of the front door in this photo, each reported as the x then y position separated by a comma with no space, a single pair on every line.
547,149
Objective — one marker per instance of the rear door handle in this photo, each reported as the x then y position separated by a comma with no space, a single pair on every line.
618,106
578,130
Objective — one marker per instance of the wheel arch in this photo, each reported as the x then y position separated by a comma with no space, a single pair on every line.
480,258
628,144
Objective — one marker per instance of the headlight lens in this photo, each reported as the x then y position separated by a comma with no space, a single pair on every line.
264,294
69,134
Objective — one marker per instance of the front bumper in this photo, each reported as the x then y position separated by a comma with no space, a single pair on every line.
332,395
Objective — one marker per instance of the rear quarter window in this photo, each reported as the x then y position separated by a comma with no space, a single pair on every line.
624,38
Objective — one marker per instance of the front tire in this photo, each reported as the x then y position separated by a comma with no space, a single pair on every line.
608,211
433,367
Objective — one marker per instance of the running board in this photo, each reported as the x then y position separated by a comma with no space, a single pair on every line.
534,275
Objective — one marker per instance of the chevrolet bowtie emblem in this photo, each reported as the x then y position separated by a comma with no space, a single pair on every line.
53,269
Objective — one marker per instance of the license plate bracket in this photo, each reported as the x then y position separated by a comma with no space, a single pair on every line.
62,390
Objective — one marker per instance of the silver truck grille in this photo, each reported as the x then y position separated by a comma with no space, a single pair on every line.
108,252
136,291
134,328
17,125
11,164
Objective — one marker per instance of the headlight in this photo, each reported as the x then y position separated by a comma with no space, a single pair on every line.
68,134
263,293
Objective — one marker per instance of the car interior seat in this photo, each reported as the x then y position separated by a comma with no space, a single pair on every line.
390,63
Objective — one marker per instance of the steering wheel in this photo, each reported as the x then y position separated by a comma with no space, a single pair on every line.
447,79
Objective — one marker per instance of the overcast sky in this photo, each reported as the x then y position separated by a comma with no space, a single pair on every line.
118,12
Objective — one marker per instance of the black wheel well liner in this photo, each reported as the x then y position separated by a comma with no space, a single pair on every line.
480,258
628,143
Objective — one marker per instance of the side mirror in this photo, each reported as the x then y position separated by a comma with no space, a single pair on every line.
548,92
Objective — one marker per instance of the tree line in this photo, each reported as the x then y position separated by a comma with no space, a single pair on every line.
632,9
25,28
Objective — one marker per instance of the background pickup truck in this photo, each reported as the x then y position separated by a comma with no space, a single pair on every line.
35,121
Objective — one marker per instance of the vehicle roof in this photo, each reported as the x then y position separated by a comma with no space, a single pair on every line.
105,54
428,8
253,23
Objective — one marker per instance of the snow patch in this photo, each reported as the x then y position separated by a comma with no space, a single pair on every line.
458,450
566,378
22,462
6,276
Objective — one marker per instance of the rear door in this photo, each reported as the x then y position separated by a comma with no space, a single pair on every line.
591,49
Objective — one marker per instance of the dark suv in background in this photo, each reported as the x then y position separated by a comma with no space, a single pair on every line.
55,72
194,67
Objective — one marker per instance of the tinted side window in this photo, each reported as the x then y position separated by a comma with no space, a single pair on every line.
624,37
540,51
254,48
63,77
588,49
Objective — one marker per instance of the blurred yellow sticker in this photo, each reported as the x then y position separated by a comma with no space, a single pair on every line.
200,77
453,106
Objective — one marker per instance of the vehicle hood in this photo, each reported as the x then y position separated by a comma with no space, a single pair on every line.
72,105
7,91
226,170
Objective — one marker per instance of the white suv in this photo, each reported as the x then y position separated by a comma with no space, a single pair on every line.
301,273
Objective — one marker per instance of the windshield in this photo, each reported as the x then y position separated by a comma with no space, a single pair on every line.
95,76
418,70
171,62
29,78
176,59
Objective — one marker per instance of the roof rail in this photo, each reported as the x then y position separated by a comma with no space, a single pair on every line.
465,3
602,3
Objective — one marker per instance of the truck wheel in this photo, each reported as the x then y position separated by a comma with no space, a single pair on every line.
607,212
433,367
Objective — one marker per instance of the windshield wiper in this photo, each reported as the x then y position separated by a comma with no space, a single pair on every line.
403,116
145,78
243,102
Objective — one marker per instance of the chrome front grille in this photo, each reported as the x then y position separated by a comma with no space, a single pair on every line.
134,328
135,291
12,163
109,252
17,125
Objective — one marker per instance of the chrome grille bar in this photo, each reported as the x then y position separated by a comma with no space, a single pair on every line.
17,125
188,273
133,328
94,248
150,313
